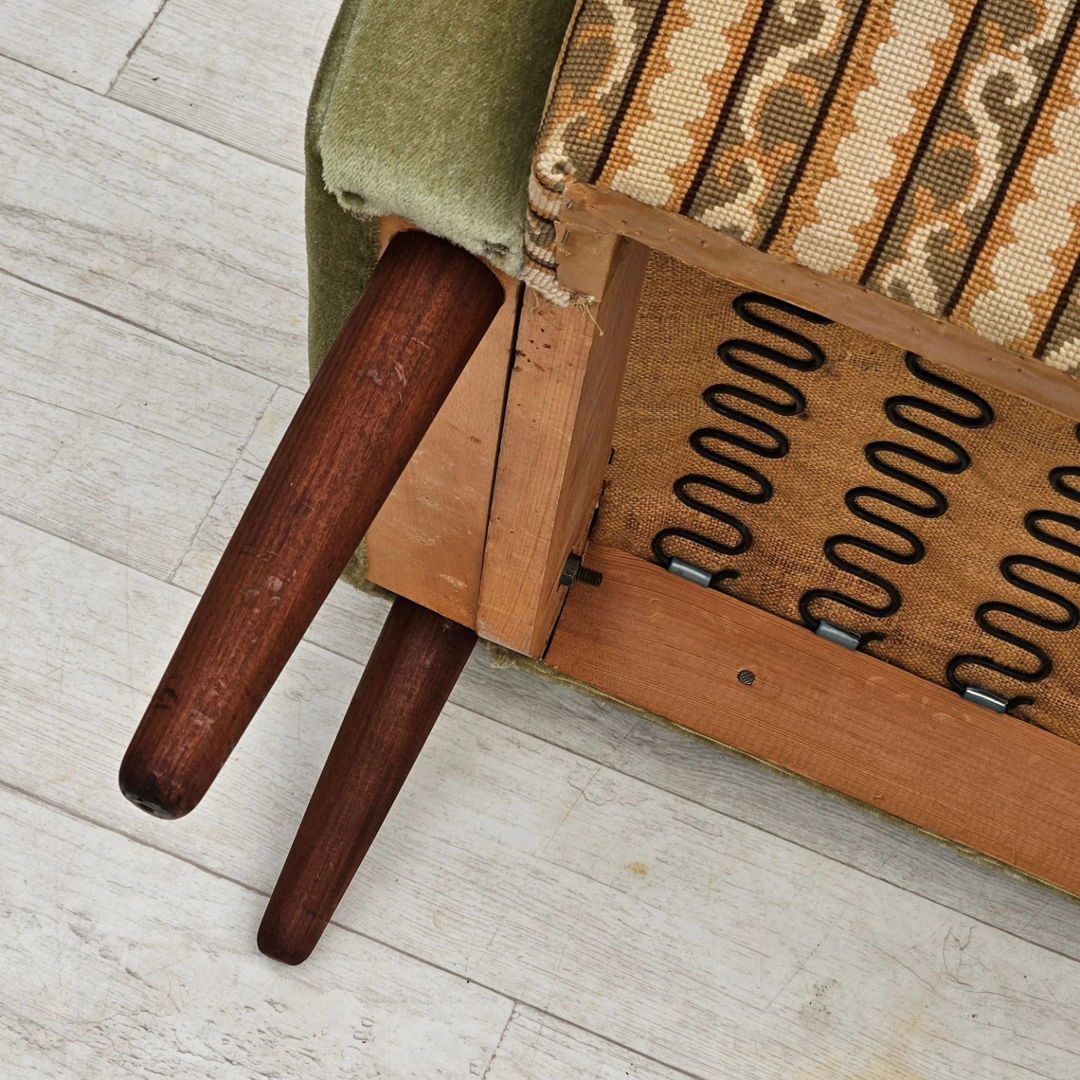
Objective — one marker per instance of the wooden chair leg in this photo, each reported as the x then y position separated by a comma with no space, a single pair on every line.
397,357
409,676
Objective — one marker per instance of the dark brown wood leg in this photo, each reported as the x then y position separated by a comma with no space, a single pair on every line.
411,672
393,364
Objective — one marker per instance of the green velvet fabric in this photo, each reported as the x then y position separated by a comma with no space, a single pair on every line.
427,109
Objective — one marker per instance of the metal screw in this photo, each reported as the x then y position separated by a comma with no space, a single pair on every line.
573,571
746,677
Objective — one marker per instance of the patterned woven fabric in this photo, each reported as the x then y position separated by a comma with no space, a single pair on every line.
927,149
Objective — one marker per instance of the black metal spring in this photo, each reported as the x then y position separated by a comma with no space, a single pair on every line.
744,357
925,501
1012,568
876,506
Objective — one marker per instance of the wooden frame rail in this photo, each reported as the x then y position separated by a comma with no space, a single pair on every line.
588,210
772,689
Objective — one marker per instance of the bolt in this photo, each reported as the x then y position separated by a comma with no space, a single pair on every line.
573,571
589,577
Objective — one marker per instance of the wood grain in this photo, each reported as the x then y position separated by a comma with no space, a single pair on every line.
113,437
95,986
395,360
538,1045
427,541
840,718
560,413
465,855
871,313
409,676
678,932
162,227
198,52
194,570
80,41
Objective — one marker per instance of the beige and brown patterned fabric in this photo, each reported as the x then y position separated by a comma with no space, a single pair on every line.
927,149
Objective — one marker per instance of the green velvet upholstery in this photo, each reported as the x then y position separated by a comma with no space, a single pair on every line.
427,109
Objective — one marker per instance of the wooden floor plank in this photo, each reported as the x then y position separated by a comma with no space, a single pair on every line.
538,1045
112,437
194,569
111,971
82,41
57,350
659,924
216,67
193,240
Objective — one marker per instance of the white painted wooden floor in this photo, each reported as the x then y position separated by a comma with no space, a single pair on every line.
564,890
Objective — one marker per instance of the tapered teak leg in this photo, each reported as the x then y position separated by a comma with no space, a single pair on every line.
397,357
411,672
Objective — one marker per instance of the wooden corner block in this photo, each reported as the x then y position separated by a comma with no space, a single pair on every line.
560,414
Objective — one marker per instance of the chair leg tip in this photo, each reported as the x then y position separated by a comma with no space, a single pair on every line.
286,944
145,789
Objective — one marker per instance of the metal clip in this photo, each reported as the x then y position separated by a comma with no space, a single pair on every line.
836,634
696,574
986,698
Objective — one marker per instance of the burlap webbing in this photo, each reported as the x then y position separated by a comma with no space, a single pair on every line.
684,316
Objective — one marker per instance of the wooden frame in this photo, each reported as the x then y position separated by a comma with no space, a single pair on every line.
846,720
